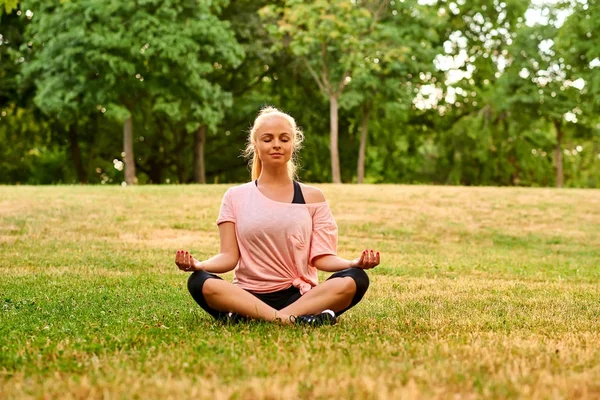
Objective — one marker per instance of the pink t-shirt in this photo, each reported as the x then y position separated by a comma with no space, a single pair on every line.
277,241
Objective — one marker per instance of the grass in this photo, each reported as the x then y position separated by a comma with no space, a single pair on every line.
482,292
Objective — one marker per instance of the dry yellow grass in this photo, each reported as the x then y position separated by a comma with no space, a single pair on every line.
482,292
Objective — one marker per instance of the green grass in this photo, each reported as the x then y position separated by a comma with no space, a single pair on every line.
482,292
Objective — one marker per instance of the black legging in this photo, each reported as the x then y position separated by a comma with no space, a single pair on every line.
281,298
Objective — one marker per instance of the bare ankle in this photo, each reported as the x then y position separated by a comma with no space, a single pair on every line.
283,319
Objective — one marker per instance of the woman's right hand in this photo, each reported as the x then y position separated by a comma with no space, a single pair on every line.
186,262
367,260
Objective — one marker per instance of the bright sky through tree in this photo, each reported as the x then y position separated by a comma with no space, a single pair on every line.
458,65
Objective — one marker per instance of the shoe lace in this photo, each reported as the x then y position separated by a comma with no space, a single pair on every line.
305,319
311,319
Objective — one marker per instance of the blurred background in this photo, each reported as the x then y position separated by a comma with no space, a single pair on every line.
463,92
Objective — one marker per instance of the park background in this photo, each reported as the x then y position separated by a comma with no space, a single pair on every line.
484,291
487,92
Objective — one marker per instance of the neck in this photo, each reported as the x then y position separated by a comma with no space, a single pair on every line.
274,176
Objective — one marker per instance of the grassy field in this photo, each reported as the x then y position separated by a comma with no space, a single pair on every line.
482,292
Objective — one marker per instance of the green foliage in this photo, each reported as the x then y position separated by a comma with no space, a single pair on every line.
576,43
90,54
8,6
90,60
71,72
331,38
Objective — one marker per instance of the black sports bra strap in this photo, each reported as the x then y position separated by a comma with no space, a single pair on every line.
298,196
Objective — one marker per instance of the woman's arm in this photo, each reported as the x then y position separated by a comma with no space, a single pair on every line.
225,261
330,263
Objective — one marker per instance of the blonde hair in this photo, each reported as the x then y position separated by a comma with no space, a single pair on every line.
297,139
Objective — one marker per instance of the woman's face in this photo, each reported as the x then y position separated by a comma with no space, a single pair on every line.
274,141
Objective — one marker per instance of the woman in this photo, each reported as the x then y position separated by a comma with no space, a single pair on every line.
276,233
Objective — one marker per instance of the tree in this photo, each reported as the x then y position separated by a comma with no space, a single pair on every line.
542,87
576,42
92,56
403,47
330,39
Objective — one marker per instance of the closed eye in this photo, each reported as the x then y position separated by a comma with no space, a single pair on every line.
283,140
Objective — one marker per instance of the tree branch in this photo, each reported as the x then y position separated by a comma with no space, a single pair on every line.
376,15
252,84
315,76
342,82
325,72
380,9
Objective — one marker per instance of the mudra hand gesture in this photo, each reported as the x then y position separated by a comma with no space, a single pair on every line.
186,262
367,260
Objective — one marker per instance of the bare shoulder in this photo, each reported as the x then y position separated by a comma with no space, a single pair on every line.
312,194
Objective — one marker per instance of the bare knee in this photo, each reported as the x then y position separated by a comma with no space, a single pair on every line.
211,287
346,286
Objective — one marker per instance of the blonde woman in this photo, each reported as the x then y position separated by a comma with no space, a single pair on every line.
275,234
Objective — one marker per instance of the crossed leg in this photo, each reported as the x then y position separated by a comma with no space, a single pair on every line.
334,294
338,293
224,296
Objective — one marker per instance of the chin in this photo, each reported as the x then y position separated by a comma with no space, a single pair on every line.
276,163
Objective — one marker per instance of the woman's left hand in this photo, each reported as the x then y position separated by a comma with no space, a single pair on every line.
186,262
367,260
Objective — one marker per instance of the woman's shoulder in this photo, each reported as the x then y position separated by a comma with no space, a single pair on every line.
240,189
312,194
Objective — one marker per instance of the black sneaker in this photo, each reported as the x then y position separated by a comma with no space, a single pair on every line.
233,318
327,317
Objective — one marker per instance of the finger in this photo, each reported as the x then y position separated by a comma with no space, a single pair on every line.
190,264
367,259
187,260
360,259
179,258
372,258
377,259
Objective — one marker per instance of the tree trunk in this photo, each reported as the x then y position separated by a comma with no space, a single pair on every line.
333,139
363,143
180,163
92,127
155,170
76,154
199,141
129,158
558,154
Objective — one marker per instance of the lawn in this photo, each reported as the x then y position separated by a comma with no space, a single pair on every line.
482,292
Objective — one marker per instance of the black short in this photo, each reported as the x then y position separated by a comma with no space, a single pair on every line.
281,298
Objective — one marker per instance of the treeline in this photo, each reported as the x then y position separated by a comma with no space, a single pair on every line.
448,92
